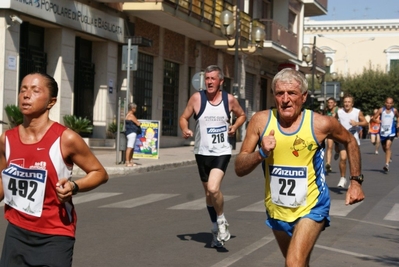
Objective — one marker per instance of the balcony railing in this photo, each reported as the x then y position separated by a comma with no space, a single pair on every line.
245,21
208,11
205,10
280,35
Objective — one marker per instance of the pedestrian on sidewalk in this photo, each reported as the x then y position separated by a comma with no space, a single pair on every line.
351,119
291,151
36,161
389,123
132,129
211,109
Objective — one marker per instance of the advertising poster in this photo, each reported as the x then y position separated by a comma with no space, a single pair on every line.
147,143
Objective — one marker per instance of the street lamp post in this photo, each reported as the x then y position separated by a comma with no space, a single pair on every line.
230,28
227,20
327,62
333,76
309,56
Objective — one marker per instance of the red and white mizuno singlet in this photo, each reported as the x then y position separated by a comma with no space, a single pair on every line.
29,183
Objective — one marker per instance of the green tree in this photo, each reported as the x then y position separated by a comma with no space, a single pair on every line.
371,88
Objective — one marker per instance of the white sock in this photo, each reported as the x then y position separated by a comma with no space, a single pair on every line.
221,217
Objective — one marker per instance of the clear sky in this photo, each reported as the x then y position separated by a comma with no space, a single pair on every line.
360,9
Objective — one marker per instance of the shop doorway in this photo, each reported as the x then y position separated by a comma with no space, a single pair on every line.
263,94
31,50
170,99
84,80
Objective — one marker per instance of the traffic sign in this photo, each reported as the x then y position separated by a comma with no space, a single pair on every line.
133,57
198,81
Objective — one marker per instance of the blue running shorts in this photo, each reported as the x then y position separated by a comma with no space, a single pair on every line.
288,227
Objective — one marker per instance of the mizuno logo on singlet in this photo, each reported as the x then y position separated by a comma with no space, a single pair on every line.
216,130
283,171
16,171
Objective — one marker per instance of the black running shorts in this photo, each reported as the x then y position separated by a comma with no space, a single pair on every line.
207,163
26,248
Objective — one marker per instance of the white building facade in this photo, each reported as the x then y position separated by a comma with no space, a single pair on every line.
74,42
80,43
356,44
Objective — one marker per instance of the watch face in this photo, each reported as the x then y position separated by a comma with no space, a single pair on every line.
357,178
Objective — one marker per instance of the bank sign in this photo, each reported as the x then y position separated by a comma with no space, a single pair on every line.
71,14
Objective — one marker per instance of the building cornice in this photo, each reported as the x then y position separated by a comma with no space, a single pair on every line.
356,25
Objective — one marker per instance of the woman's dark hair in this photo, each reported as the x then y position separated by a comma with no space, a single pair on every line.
51,83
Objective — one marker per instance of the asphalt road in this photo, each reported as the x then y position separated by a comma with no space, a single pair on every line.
160,219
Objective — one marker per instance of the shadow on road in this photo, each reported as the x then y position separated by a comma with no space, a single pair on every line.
205,238
338,190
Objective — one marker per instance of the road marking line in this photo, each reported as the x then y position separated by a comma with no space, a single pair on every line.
393,214
92,197
256,207
86,197
135,202
198,204
267,239
372,223
338,207
363,256
244,252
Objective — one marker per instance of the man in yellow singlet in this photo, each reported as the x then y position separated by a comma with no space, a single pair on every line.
291,150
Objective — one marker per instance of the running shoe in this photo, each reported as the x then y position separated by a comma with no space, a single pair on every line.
386,168
223,234
342,182
328,168
215,242
336,156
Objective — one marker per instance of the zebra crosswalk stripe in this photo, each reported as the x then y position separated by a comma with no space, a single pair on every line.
338,207
135,202
393,214
92,196
256,207
198,204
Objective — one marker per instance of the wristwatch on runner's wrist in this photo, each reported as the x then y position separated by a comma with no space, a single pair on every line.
75,188
358,178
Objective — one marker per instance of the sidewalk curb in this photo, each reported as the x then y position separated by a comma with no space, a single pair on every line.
122,170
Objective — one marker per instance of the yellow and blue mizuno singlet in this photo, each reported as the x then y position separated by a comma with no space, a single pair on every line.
295,178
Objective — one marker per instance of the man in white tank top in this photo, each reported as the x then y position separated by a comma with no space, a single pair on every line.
388,129
211,110
352,119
